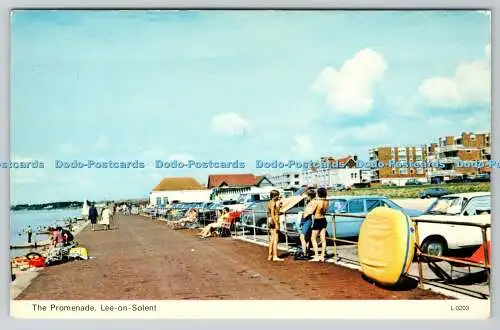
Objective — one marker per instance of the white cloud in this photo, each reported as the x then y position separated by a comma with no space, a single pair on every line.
470,85
350,89
369,133
230,124
303,146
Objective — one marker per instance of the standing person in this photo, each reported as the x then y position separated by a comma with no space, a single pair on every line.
112,219
29,233
93,214
273,222
319,208
106,216
306,225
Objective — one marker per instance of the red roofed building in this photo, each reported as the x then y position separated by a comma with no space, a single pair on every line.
237,180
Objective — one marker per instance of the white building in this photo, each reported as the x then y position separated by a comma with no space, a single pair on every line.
330,172
286,180
183,189
330,177
231,186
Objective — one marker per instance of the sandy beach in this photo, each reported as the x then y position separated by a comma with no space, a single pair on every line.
43,247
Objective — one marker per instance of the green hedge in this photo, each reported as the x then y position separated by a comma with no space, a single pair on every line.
413,191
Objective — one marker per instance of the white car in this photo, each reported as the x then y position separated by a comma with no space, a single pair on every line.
438,239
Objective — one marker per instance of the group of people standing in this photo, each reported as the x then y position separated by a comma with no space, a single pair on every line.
313,223
106,217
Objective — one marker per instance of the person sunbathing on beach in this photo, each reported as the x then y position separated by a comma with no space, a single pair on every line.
207,231
190,217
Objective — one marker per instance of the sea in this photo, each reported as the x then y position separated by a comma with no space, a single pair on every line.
19,220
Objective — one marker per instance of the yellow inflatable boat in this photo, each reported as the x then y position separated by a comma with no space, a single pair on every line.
386,245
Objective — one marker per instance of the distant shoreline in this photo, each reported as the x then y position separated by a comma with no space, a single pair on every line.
43,208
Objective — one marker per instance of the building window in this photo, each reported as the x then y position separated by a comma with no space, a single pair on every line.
403,171
158,200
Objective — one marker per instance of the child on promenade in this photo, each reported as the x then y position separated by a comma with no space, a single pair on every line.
273,213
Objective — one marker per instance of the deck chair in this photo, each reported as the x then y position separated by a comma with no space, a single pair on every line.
477,257
224,230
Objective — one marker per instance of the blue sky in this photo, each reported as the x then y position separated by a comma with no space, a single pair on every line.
221,85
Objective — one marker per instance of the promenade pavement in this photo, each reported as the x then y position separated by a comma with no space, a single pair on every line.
144,259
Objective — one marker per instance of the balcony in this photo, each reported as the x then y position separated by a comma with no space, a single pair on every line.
452,147
449,160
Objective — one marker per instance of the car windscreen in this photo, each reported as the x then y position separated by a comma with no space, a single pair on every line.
446,205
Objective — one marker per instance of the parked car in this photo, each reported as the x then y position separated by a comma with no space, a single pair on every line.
348,227
338,187
257,211
413,182
433,192
441,239
459,179
485,177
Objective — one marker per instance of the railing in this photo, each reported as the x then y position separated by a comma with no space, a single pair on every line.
242,227
419,254
334,232
286,232
485,265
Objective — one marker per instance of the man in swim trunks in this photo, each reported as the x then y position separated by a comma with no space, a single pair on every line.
273,222
306,225
318,209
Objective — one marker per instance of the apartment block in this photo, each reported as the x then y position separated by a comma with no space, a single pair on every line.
455,152
286,180
389,155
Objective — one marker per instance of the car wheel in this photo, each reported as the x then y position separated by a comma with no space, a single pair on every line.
435,246
428,196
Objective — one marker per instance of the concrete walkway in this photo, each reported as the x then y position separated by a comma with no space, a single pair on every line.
144,259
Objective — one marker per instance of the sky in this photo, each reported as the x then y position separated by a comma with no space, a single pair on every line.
241,85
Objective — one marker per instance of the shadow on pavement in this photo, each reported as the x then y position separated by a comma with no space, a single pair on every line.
404,284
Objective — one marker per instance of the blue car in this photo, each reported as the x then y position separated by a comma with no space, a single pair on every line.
347,227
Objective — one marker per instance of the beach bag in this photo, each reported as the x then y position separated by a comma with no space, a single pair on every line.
386,245
78,253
